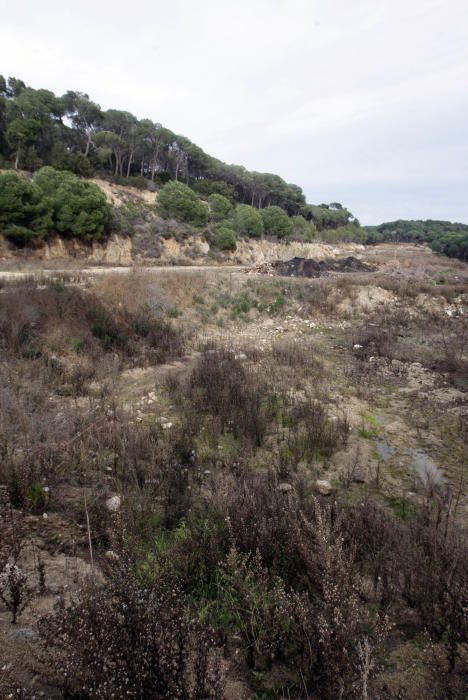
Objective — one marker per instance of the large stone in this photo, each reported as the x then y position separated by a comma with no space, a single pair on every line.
113,504
324,487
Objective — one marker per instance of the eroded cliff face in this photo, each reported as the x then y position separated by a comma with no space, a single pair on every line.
116,250
150,240
120,250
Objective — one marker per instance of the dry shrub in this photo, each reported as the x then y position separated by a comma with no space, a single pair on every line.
312,433
300,554
65,334
232,395
15,588
180,287
132,291
294,363
436,585
130,639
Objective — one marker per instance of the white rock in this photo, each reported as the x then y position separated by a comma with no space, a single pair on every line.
357,346
324,487
166,426
285,488
111,555
113,504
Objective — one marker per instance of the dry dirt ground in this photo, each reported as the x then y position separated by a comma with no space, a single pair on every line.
404,413
393,351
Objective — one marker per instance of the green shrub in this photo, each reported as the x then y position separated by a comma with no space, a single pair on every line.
20,234
247,221
302,230
77,345
79,207
220,207
76,163
25,214
207,187
276,222
36,496
258,606
225,238
178,201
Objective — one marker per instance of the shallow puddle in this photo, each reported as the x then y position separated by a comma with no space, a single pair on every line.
384,450
425,467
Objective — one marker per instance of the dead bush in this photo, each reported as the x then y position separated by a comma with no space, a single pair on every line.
436,584
312,433
130,639
15,588
232,395
67,337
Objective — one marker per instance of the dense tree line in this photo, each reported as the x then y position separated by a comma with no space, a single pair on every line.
51,201
71,132
442,236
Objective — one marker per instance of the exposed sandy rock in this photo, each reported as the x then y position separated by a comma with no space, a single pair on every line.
117,195
117,251
251,251
192,251
171,248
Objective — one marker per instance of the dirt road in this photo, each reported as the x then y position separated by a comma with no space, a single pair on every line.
8,275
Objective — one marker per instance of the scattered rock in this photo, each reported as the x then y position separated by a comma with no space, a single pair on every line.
111,555
324,487
113,504
24,634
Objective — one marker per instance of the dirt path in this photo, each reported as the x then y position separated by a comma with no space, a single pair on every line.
97,271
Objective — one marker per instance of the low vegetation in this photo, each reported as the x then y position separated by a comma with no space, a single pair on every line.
216,474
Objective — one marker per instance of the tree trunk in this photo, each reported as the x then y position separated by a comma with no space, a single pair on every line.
129,164
17,159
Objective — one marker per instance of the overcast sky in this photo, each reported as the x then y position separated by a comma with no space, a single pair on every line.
359,101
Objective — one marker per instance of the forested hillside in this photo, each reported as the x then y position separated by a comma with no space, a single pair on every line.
71,132
442,236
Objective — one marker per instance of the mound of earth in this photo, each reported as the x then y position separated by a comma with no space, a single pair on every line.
308,267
